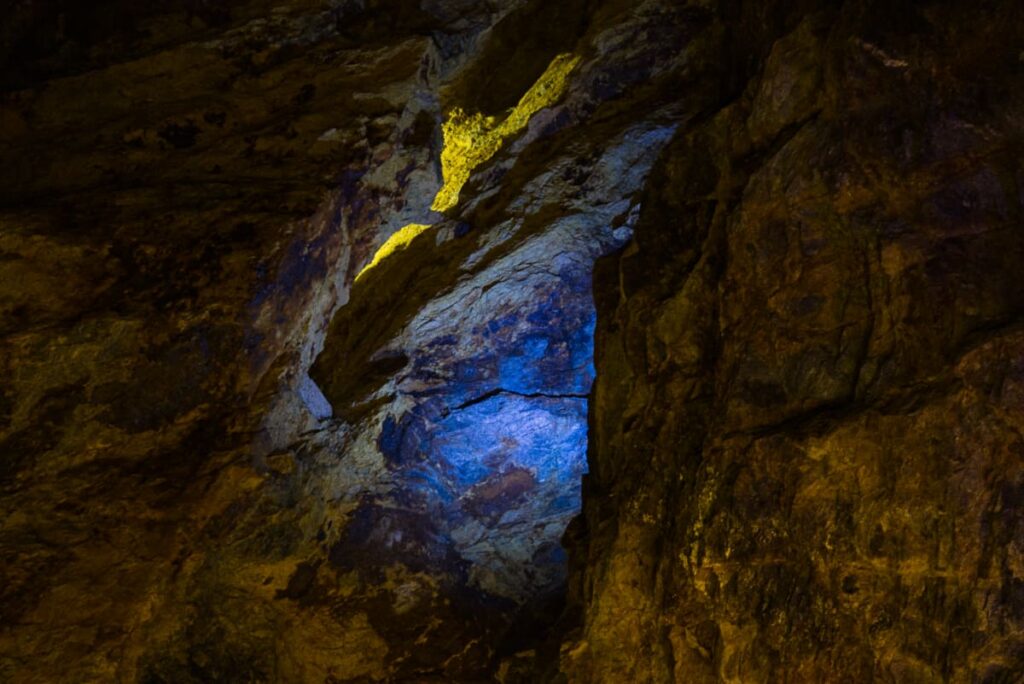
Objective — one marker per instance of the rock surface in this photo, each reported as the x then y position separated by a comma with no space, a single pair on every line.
806,454
222,459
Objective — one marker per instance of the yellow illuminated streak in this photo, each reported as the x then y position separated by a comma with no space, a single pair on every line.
472,139
396,241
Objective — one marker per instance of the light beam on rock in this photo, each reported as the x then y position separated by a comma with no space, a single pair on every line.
472,139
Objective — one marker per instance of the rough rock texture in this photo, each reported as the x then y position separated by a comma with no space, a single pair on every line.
468,400
188,194
223,460
806,457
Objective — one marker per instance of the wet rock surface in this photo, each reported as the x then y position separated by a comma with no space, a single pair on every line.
789,397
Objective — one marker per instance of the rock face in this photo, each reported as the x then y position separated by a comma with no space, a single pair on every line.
806,454
789,397
467,402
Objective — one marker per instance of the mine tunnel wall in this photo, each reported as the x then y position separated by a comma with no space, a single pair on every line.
804,456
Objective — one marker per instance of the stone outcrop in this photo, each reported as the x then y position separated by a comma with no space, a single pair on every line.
806,454
798,361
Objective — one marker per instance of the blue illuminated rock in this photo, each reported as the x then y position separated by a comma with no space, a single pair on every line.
502,475
484,425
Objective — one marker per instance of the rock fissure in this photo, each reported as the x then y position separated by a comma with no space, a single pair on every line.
530,395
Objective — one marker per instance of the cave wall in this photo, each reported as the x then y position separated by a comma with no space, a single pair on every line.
805,447
189,194
186,190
